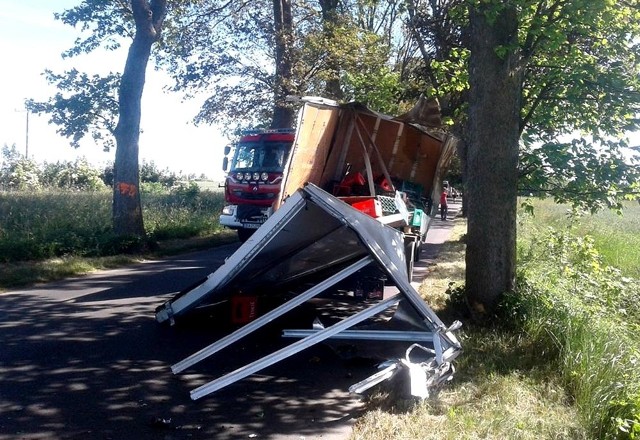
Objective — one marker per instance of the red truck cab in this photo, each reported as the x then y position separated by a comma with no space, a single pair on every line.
254,178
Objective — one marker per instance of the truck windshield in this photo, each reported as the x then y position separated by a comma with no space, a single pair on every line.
264,156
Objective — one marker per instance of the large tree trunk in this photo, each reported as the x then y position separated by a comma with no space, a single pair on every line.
127,209
330,15
492,156
283,25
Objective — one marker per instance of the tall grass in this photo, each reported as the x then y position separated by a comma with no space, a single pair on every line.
560,360
41,225
617,237
570,298
183,213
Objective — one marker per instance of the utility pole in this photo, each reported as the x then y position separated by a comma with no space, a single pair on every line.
26,136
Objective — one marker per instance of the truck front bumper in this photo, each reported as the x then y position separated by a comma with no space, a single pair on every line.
230,219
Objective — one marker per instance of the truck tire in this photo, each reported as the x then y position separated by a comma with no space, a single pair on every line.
244,234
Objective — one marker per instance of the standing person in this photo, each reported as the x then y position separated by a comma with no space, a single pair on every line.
443,205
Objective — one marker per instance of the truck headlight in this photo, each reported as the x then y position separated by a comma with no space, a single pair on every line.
264,176
256,176
239,176
228,210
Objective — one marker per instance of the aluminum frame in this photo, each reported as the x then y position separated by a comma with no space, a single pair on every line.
312,233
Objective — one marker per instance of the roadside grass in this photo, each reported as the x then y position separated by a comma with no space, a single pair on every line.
26,273
51,235
617,237
561,358
570,297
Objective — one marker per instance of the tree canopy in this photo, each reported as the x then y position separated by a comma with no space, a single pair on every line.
570,67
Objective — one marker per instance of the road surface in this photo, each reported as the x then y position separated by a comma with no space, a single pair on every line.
84,359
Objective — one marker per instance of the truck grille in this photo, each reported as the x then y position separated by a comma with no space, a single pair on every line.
248,212
253,196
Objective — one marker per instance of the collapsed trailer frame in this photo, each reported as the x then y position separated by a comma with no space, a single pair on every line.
316,238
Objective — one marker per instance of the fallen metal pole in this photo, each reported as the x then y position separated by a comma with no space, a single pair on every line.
369,335
270,316
290,350
375,379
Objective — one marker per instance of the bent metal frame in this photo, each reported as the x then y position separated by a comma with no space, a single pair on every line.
314,236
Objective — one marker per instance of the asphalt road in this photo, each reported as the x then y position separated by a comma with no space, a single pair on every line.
84,358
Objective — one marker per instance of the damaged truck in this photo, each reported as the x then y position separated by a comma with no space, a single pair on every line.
354,153
350,205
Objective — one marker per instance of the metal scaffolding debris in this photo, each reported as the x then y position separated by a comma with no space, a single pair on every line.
317,240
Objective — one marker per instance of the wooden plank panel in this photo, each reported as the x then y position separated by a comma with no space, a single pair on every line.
311,148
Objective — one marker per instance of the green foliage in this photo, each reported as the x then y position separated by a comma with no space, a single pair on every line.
224,51
19,173
379,90
46,224
185,211
582,68
616,236
149,172
22,174
570,300
580,65
579,173
102,22
78,175
84,105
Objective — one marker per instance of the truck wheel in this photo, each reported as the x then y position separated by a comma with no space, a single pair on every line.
244,234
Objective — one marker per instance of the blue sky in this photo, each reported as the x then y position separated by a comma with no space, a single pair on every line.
32,41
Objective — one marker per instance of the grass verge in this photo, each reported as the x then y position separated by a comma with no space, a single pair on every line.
506,386
26,273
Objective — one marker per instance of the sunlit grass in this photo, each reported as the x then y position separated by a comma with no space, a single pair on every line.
617,237
574,296
497,406
449,269
560,361
51,235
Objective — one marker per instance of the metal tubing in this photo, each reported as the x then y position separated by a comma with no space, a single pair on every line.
290,350
275,313
369,335
375,379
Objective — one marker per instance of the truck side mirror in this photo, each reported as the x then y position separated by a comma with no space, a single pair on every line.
225,163
227,150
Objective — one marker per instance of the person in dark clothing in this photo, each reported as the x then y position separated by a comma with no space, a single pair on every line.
443,205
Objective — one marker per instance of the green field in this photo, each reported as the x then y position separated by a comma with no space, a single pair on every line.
617,237
52,234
